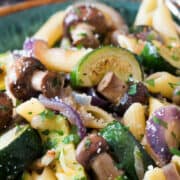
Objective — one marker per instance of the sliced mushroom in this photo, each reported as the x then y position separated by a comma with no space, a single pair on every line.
27,76
82,34
84,24
112,87
137,92
6,110
91,153
104,168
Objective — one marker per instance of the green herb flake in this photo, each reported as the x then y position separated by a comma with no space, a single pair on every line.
79,46
77,11
123,177
18,128
173,85
71,138
160,122
3,107
150,37
59,132
175,151
87,143
132,89
173,135
174,57
30,113
177,93
47,114
82,34
150,82
79,178
18,102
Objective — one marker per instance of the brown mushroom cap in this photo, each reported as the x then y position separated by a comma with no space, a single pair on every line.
89,147
52,84
6,110
19,77
87,14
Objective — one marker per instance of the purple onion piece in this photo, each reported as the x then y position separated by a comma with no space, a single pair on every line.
66,110
159,132
96,99
28,46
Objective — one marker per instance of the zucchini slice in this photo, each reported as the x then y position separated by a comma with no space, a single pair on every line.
93,66
160,58
126,149
18,148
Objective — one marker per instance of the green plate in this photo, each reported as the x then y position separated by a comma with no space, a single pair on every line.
16,27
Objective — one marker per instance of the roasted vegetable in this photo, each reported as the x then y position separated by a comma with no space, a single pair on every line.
162,133
92,67
160,58
125,148
18,148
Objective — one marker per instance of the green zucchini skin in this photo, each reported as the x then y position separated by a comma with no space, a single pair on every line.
17,155
152,60
93,66
122,143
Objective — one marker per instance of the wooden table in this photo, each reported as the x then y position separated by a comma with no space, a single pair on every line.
12,8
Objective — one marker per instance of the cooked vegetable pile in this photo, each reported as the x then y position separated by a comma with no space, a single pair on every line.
102,104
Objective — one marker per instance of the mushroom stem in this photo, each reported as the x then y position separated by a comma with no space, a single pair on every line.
104,168
37,79
92,153
82,34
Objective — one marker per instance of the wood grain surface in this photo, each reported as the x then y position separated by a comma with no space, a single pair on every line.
9,9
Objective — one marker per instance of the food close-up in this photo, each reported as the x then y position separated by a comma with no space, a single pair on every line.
92,92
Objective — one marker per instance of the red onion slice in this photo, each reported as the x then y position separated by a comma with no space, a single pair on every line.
66,110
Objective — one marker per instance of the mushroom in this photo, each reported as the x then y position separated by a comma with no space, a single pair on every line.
137,92
92,154
112,87
6,110
27,76
84,24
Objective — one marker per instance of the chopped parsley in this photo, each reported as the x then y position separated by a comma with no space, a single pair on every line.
18,102
82,34
29,113
123,177
47,114
160,122
150,37
56,82
175,151
3,107
177,93
174,57
77,11
71,138
79,178
18,128
79,46
132,89
59,132
173,135
87,143
173,85
151,82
